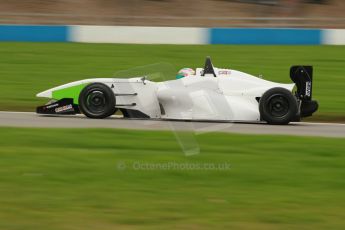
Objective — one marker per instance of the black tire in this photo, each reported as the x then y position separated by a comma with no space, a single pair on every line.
97,101
278,106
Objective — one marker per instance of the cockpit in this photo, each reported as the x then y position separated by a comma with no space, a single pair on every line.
208,71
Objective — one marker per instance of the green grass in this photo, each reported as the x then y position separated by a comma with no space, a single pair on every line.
28,68
69,179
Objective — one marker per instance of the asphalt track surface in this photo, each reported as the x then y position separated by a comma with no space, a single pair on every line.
27,119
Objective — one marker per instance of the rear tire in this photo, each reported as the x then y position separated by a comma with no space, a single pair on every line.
278,106
97,101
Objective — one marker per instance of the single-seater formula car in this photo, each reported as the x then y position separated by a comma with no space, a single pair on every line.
208,93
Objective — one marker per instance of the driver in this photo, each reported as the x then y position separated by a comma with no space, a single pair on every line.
185,72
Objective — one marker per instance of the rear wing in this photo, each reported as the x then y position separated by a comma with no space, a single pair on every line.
302,76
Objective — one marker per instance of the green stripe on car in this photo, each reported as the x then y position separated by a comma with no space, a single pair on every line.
70,92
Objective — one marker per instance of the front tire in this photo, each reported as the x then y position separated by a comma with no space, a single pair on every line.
278,106
97,101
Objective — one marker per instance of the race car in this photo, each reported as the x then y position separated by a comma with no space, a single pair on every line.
207,94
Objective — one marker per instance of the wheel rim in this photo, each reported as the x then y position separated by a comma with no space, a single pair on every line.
278,105
96,102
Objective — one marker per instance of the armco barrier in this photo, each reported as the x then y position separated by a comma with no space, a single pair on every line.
171,35
266,36
142,35
34,33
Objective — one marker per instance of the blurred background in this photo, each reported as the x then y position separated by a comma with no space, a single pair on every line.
70,179
197,13
40,41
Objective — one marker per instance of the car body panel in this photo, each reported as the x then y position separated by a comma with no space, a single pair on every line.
226,97
211,94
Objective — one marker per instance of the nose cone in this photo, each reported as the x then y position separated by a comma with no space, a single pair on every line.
47,94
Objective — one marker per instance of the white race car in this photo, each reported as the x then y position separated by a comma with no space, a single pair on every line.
211,94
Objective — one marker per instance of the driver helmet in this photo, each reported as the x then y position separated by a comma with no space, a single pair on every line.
185,72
